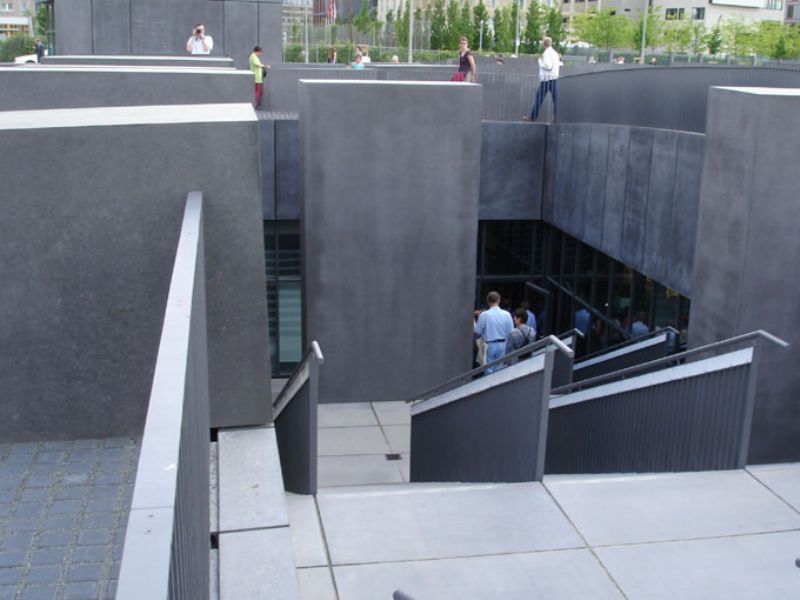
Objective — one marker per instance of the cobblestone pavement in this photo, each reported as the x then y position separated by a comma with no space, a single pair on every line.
63,513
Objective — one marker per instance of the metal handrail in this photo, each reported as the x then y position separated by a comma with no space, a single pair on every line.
574,295
455,382
623,373
630,342
297,378
573,331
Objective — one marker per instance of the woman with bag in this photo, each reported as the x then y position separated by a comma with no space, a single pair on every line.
466,64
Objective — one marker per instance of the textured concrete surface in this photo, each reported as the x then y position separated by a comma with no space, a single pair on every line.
746,240
257,564
633,193
63,514
93,86
151,61
160,27
389,228
80,337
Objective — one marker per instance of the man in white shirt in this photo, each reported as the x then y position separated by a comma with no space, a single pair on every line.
200,43
549,64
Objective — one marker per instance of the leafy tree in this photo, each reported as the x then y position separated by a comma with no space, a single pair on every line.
503,30
654,35
603,29
780,51
18,44
698,37
534,23
41,21
402,25
738,37
465,23
714,40
389,16
438,26
479,14
453,34
362,21
555,28
677,35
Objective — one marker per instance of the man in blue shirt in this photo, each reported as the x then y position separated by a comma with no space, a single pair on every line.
494,326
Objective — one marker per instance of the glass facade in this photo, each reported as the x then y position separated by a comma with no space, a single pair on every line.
565,282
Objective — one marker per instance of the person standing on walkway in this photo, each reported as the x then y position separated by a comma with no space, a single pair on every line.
466,63
549,65
259,69
200,43
494,326
523,334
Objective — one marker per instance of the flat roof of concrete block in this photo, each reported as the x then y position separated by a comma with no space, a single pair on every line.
762,91
388,83
132,57
48,68
126,115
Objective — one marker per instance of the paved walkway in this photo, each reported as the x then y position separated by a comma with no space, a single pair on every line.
731,534
63,514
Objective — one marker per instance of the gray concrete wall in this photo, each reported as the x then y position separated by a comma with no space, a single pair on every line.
389,228
512,170
88,86
280,92
630,192
162,27
141,61
746,250
92,205
661,97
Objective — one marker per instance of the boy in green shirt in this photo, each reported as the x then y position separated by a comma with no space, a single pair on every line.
258,69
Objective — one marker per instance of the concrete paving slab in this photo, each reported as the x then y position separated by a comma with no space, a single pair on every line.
317,584
444,521
749,567
612,510
257,564
213,511
365,469
213,575
251,491
392,413
399,437
340,441
783,479
558,575
348,414
309,547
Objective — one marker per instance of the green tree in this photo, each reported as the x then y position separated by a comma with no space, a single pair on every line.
555,28
41,21
738,37
534,23
363,21
503,30
402,25
714,40
603,29
453,18
654,35
698,38
438,26
479,14
677,35
465,24
18,44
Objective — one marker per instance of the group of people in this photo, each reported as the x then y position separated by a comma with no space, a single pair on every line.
497,333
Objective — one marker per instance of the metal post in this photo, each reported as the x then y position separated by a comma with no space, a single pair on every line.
480,40
516,39
644,28
410,31
306,23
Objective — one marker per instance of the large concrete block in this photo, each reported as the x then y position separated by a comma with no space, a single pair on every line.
578,180
241,31
94,86
270,32
563,172
746,247
512,170
126,60
390,215
637,183
686,202
74,26
549,187
596,186
159,27
266,142
658,220
287,169
89,237
616,177
111,27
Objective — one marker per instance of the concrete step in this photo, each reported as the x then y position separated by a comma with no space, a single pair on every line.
255,548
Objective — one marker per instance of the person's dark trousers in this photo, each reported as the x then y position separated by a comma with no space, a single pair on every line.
544,87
